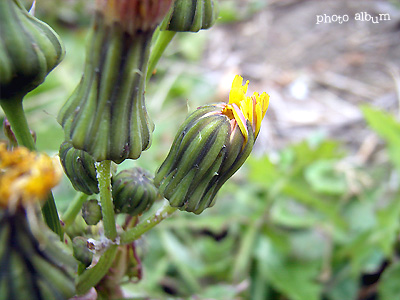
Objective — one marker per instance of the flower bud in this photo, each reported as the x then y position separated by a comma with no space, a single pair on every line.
91,212
29,50
191,15
133,191
80,168
210,146
31,269
106,115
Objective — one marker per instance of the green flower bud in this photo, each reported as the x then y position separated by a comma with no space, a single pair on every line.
133,191
81,251
91,212
106,115
29,50
191,15
205,153
80,168
210,146
31,269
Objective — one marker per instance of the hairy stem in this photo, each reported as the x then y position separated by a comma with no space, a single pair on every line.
134,233
19,125
107,206
92,276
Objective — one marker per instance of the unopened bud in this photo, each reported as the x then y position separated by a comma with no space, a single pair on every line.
29,50
106,115
91,212
191,15
210,146
133,191
80,168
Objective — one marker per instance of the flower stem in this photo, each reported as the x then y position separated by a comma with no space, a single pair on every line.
107,206
162,41
134,233
15,114
74,208
92,276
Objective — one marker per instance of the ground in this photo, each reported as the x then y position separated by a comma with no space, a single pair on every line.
317,75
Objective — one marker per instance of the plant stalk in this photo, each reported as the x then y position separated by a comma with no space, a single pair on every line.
15,114
92,276
162,41
107,206
74,209
134,233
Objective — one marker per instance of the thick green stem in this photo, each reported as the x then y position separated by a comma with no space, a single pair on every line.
92,276
163,40
107,206
133,234
74,208
19,125
15,114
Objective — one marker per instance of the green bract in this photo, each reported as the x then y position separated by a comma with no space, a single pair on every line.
191,15
29,269
80,168
205,153
133,191
91,212
29,50
106,114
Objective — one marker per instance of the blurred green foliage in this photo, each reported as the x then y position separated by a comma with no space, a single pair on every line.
305,223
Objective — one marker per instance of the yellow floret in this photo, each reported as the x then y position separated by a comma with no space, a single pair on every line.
26,176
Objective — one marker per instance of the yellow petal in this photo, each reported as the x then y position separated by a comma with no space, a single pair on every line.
241,121
242,108
238,91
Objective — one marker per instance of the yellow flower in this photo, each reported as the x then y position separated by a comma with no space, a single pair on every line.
26,176
242,108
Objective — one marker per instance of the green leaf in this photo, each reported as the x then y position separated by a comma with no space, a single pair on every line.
306,154
295,279
387,128
290,213
389,287
262,170
183,260
344,287
324,178
302,193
